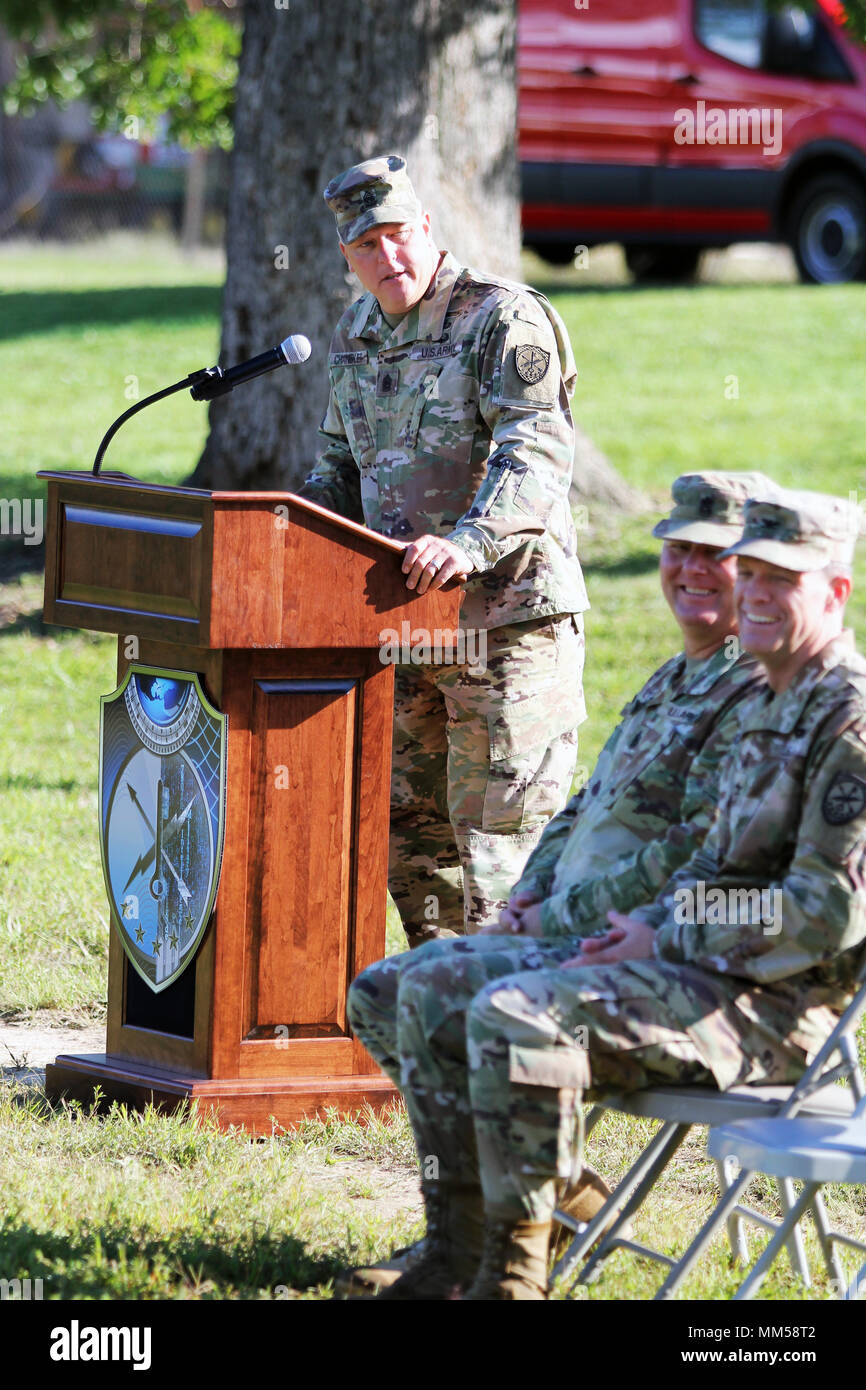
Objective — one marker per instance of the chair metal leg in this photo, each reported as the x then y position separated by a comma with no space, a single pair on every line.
828,1248
858,1284
751,1285
796,1248
653,1162
661,1143
705,1236
736,1227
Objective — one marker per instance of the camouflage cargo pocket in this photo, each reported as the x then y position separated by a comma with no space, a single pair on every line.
533,752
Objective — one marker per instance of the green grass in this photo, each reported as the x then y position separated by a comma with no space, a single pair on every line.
654,367
83,330
127,1206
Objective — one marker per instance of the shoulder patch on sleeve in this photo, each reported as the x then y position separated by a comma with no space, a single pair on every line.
529,373
531,362
844,799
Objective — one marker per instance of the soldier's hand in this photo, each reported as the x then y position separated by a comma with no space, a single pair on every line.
628,939
530,920
511,917
431,561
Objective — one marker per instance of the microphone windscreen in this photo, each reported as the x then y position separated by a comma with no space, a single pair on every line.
297,348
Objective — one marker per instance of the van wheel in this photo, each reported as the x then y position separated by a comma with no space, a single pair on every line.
650,264
827,230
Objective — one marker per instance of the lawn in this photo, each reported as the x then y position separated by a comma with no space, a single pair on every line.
725,375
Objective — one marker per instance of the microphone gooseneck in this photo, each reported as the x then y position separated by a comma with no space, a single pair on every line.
209,382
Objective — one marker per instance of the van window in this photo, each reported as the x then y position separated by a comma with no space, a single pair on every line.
732,28
789,40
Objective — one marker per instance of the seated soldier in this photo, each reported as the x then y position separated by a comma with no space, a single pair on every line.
704,986
646,808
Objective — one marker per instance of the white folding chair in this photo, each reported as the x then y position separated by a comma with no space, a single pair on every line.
815,1151
679,1108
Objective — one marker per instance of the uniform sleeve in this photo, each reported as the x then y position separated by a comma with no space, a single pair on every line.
812,914
638,878
524,403
541,865
335,482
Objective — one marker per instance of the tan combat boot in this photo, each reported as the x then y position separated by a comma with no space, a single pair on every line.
371,1279
514,1262
582,1200
451,1248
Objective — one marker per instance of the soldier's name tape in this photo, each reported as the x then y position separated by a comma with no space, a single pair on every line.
530,360
419,352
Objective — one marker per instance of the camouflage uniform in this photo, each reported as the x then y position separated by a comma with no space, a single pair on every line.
456,422
495,1090
650,799
647,806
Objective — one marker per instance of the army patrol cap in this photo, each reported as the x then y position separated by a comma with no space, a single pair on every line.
708,507
800,531
378,190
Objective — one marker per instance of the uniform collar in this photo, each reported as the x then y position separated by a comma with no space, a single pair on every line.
425,320
661,685
788,706
704,675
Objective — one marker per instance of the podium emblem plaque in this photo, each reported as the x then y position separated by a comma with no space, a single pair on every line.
162,789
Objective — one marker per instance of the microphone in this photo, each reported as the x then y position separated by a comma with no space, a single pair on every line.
209,382
218,381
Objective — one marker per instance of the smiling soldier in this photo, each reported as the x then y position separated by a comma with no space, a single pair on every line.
647,806
448,427
494,1083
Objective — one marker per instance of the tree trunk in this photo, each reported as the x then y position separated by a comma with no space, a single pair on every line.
194,192
323,86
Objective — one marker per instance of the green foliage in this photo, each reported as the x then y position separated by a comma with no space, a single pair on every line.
132,63
851,13
854,14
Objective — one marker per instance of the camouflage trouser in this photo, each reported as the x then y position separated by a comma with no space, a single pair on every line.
494,1048
482,759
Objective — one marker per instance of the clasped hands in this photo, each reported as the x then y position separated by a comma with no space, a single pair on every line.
627,939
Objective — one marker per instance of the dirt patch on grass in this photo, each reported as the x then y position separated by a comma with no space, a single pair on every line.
388,1192
384,1192
26,1049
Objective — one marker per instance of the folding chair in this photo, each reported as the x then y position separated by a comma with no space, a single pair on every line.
813,1150
820,1145
679,1108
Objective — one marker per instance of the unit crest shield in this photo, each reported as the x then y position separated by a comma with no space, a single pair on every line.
162,780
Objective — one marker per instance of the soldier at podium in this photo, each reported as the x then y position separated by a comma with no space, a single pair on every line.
448,427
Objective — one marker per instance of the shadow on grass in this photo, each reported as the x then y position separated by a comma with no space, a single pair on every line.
114,1261
626,567
16,622
29,623
25,312
17,558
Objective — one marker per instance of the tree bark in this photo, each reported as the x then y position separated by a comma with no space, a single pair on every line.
321,87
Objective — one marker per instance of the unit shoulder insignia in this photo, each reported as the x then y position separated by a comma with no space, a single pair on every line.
531,363
844,799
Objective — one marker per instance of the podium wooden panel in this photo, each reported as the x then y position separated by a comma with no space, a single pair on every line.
278,605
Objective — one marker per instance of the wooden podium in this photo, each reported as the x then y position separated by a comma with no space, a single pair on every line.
277,604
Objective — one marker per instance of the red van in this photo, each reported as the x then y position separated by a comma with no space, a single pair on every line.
673,125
